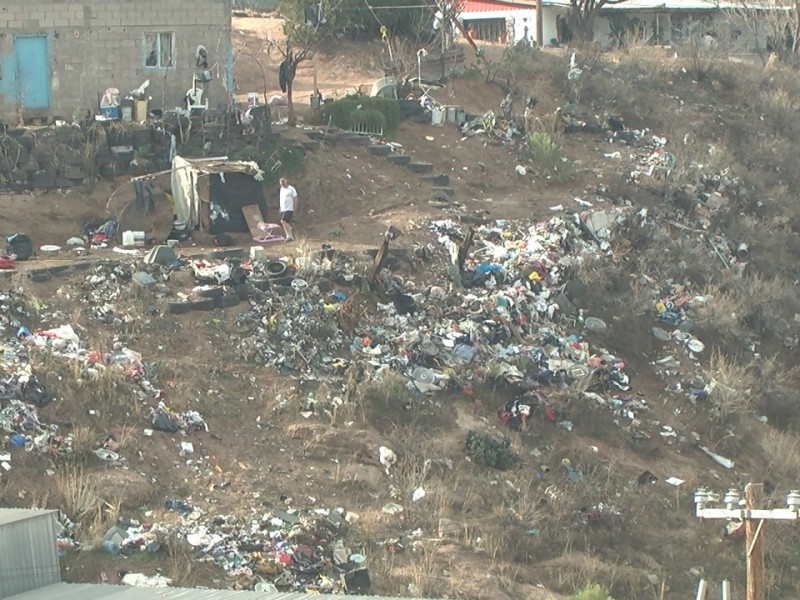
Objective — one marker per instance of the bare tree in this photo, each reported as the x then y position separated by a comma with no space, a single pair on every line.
773,26
306,29
582,14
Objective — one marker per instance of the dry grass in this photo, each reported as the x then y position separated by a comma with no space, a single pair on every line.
77,492
782,454
179,564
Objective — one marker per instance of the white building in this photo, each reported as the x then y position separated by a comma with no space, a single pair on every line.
511,21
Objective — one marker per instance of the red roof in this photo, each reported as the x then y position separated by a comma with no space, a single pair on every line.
494,5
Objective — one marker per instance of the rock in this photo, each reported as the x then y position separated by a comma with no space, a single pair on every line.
143,279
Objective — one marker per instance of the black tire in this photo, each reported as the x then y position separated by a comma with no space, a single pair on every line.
227,301
179,308
204,304
260,284
276,268
214,292
243,291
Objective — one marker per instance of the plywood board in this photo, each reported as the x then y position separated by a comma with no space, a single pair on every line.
252,215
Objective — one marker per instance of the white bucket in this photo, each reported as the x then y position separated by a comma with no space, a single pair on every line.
252,99
451,114
138,238
127,238
437,116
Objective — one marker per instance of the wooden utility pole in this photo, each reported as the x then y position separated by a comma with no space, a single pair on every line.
539,24
754,542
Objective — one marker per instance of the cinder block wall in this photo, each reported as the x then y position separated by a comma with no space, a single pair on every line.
98,44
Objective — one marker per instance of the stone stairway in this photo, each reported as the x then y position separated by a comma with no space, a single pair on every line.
438,184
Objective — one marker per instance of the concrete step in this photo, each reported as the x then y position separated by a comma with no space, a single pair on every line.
399,159
420,167
379,149
439,203
440,179
355,140
442,192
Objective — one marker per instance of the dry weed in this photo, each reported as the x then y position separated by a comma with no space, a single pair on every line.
179,560
77,492
782,454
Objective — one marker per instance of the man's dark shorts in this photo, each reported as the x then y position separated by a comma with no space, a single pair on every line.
286,216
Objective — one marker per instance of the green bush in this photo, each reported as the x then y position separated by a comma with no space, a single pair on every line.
549,157
490,451
369,118
358,110
592,591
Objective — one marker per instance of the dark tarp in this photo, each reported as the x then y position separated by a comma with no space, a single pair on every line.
226,199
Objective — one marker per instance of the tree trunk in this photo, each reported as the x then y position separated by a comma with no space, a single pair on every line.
290,102
582,24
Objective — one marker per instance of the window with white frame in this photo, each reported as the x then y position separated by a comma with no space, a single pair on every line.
159,50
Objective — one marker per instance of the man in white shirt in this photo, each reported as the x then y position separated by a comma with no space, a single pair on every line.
288,206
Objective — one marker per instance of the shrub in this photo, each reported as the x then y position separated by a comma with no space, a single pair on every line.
355,110
490,451
549,156
592,591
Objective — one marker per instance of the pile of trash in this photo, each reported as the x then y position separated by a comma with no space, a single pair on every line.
280,550
23,394
492,125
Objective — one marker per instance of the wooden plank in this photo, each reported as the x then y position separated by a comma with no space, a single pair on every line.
252,215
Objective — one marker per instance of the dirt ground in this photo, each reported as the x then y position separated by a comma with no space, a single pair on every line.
258,451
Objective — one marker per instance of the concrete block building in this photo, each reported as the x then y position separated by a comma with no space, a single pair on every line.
59,56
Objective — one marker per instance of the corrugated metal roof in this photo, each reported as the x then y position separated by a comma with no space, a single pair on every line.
473,6
678,5
87,591
14,515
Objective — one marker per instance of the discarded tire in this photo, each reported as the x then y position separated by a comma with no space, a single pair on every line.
276,268
204,304
227,301
242,291
260,284
214,292
179,308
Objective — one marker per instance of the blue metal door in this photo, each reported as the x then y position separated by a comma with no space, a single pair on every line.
33,71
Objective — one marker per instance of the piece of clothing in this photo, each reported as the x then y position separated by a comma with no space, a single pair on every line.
144,195
283,76
286,216
288,197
